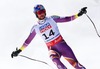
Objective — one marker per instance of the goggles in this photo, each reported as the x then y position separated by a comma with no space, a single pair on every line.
40,12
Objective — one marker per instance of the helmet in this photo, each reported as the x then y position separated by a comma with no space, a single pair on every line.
38,7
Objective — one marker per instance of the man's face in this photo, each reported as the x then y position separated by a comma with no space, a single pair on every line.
41,14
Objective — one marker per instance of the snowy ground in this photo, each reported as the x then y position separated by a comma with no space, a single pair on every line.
17,18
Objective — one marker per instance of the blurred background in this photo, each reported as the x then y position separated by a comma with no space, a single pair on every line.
17,19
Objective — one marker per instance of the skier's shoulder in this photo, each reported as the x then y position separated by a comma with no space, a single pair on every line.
55,16
33,27
52,17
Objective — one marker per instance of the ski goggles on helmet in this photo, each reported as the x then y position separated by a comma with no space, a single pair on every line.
40,12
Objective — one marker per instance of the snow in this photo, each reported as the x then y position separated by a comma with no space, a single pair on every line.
17,18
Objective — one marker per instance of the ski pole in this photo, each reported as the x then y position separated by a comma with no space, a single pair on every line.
36,60
93,25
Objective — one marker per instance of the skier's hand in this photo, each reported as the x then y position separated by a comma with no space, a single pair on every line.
15,53
82,11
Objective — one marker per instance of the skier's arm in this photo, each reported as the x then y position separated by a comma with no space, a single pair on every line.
64,19
28,40
25,44
70,18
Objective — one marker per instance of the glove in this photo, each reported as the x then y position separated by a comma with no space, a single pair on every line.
82,11
15,53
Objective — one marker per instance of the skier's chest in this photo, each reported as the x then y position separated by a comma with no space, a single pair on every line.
46,26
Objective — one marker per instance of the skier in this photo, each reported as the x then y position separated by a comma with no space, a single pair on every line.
48,30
